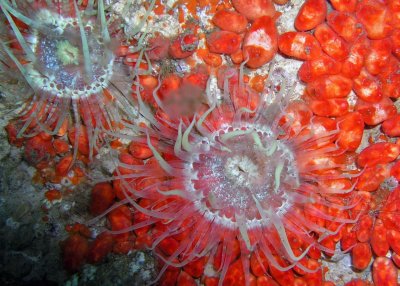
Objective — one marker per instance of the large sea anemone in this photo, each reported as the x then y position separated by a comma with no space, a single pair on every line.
65,53
248,177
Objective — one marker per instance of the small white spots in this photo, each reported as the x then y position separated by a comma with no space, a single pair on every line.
366,91
259,38
11,223
167,25
89,272
134,267
170,3
353,58
298,43
380,112
137,264
134,19
390,183
74,281
67,206
146,275
65,182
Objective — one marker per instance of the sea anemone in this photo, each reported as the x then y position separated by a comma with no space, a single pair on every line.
67,57
246,171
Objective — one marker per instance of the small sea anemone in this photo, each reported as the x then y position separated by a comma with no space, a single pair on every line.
67,57
249,177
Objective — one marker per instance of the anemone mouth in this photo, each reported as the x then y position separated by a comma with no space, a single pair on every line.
241,170
61,67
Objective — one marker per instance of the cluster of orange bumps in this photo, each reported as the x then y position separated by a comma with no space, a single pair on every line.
355,47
